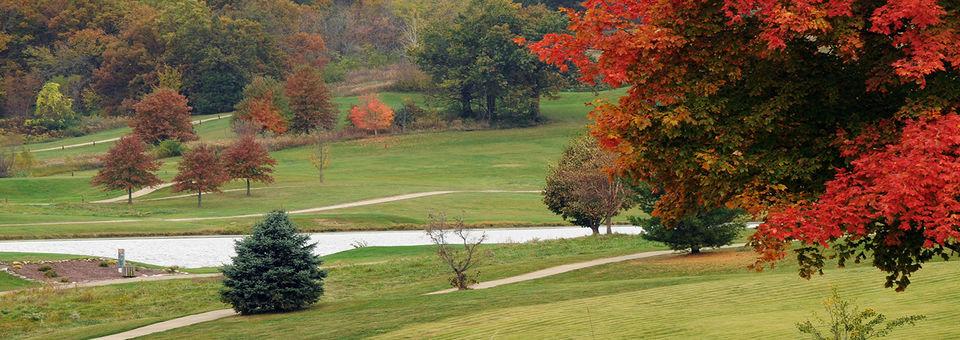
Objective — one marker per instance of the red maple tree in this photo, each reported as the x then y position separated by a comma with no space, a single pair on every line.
832,114
249,160
127,166
371,114
310,101
162,115
200,171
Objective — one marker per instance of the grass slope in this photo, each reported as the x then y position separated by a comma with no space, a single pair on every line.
513,159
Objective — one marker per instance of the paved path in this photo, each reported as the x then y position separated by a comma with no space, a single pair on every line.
196,122
302,211
120,281
564,268
171,324
136,194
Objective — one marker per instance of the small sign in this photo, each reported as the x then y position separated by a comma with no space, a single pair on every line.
121,260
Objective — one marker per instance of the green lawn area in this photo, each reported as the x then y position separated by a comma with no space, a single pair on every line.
377,292
510,159
676,296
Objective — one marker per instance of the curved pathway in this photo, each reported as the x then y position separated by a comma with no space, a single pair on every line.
62,147
302,211
223,313
136,194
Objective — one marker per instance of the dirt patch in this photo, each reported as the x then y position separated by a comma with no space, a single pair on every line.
68,271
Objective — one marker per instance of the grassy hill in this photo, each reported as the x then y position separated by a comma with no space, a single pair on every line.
378,292
510,159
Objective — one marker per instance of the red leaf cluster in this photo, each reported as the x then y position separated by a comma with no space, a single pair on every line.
248,159
910,185
371,114
200,170
127,166
162,115
310,101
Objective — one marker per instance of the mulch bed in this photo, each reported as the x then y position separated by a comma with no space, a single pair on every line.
81,270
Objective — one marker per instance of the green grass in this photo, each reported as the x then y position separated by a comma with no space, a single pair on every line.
512,159
677,296
355,275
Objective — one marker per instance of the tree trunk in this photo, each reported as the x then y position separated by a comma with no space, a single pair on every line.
694,250
465,98
595,229
609,222
199,198
129,195
248,187
491,107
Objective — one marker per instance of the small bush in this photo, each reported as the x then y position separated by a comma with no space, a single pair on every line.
44,268
169,148
275,269
846,321
104,264
51,273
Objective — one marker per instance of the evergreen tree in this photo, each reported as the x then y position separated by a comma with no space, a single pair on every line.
275,269
709,229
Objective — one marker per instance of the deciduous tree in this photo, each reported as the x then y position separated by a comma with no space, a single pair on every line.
580,189
200,171
53,109
127,166
310,101
246,159
791,106
163,115
371,114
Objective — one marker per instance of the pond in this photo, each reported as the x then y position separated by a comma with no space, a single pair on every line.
209,251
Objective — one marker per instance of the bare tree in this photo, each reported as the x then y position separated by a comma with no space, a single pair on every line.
448,237
320,158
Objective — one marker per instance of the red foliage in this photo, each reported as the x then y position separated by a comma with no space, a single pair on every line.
310,101
127,166
305,49
371,114
200,171
163,115
265,116
249,160
903,195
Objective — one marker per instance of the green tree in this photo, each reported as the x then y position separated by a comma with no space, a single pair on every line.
54,110
712,228
478,64
275,269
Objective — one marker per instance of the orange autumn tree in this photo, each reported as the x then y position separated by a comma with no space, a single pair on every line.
837,117
127,166
200,171
265,116
371,114
246,159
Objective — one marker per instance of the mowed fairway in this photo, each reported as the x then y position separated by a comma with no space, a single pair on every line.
710,296
509,160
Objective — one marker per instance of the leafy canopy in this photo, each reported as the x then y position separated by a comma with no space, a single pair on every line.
770,105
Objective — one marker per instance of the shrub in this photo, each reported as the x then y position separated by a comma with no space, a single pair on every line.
104,264
275,269
6,165
714,228
44,268
459,259
846,321
169,148
50,273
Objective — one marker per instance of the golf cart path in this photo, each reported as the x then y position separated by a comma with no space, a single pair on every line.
223,313
294,212
195,122
136,194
